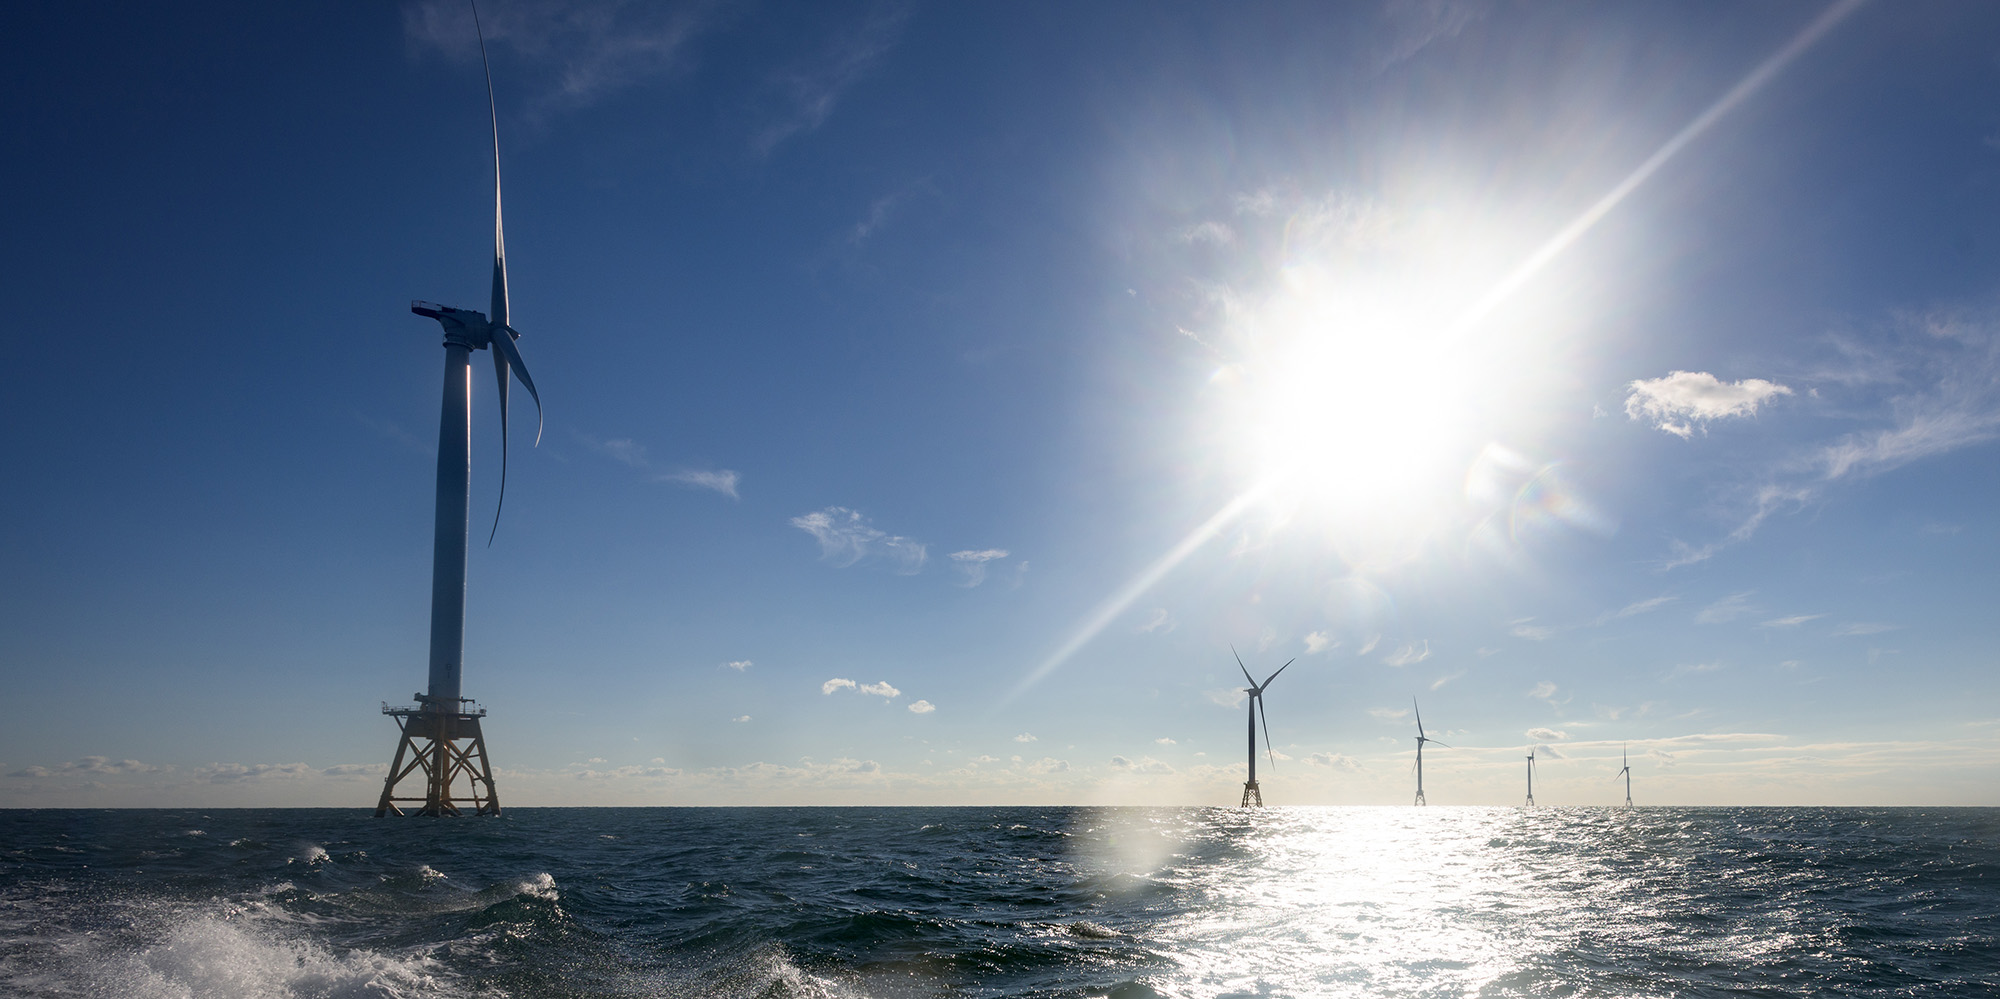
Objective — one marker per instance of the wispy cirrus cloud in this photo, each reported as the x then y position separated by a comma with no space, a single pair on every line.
1415,652
1854,628
572,53
845,538
809,92
973,563
721,480
1789,622
632,454
1729,608
1928,380
1684,403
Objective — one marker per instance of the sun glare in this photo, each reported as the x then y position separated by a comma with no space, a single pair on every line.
1353,402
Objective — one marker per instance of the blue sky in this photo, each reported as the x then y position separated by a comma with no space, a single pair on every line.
936,393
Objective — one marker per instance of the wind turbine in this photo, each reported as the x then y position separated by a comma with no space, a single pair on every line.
1625,772
1531,776
1421,739
441,734
1251,794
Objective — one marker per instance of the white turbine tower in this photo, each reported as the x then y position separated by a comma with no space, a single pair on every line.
441,734
1252,795
1531,776
1625,772
1421,739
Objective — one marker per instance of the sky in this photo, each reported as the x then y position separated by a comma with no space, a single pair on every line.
941,398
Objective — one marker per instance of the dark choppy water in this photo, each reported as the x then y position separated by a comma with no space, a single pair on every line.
783,902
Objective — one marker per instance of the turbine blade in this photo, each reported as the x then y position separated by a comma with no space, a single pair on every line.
1281,669
503,341
500,372
498,313
1266,713
1439,743
1420,717
1245,669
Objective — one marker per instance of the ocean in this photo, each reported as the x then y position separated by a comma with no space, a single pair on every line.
1004,901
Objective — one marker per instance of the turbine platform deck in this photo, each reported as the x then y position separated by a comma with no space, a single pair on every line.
444,746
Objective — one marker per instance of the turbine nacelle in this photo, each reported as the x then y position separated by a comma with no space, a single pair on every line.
468,325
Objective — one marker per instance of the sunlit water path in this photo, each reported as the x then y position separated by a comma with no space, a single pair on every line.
1003,902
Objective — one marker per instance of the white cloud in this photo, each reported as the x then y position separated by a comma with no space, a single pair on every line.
845,538
1687,668
740,665
620,449
1438,684
1142,765
231,773
1643,606
1526,628
1228,697
922,707
1684,402
1369,645
1413,653
92,765
1388,714
1025,737
1334,761
1543,691
974,563
1157,619
1319,641
1163,741
739,719
1790,622
1217,233
1547,734
720,480
1864,628
881,689
1728,608
836,683
1048,765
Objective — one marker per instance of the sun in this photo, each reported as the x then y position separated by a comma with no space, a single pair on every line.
1355,398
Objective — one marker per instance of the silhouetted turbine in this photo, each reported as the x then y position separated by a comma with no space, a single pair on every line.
1252,794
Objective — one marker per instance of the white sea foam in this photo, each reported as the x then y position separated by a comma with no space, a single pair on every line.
541,886
312,854
211,952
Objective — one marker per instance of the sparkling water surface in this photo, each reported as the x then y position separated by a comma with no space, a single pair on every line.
1119,902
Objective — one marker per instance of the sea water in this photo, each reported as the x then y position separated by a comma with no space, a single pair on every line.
1013,901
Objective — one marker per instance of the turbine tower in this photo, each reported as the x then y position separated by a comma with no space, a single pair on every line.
1421,739
1625,772
441,737
1251,794
1531,776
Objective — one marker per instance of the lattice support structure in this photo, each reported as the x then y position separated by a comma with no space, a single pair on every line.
444,748
1252,797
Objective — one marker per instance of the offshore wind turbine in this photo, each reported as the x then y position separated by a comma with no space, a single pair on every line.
1625,772
1252,795
1531,776
441,735
1421,739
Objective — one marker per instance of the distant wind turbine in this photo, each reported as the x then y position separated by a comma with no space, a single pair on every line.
1531,776
441,733
1625,772
1421,739
1252,795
